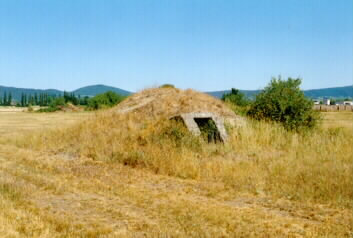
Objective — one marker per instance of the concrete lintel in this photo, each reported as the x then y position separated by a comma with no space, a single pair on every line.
189,120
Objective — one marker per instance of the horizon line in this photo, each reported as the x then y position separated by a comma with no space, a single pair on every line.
64,90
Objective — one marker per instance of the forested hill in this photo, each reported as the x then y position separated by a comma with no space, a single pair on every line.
85,91
97,89
337,92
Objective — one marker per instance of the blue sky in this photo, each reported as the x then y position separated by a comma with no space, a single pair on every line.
200,44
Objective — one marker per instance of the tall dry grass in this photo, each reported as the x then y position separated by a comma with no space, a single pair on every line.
259,158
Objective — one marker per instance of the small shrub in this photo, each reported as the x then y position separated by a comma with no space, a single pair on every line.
30,108
282,101
174,132
167,86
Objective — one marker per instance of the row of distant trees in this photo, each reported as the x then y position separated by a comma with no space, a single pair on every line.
56,102
41,99
6,99
104,100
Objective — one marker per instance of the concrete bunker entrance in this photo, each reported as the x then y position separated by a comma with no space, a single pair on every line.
208,125
208,129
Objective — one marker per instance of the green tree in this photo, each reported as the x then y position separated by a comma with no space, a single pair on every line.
22,100
4,102
282,101
85,100
46,99
35,99
40,102
74,99
31,100
54,105
104,100
25,100
235,97
9,100
58,102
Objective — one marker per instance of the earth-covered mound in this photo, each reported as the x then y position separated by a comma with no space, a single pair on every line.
159,103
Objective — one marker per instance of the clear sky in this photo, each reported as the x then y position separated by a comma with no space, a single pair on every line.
201,44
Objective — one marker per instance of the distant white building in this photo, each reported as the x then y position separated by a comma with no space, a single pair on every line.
347,103
316,102
326,101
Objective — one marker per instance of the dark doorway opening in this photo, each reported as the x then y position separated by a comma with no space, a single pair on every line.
209,130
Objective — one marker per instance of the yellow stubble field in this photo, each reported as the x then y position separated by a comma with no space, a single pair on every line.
262,193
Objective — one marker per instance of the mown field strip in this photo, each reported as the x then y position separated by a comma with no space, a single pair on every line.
116,199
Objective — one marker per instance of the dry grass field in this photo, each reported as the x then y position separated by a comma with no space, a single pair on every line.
338,120
17,122
97,175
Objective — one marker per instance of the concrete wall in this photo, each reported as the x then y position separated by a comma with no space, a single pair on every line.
333,108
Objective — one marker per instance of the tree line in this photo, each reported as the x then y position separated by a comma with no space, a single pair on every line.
41,99
6,100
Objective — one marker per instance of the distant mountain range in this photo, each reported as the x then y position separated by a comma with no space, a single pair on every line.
337,92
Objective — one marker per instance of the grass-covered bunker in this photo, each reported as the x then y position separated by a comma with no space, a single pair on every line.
202,114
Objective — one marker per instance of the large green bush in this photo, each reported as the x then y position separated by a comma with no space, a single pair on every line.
282,101
104,100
